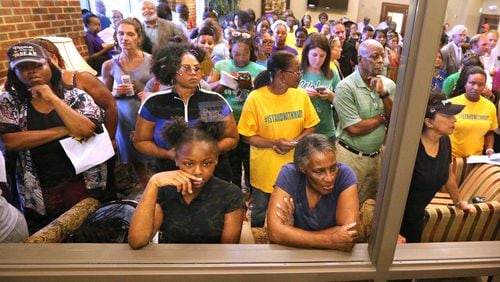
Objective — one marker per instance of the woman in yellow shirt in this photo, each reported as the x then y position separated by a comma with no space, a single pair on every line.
275,116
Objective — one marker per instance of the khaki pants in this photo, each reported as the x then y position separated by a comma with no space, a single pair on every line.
367,171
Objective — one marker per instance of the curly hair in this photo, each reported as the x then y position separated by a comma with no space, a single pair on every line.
179,132
167,60
308,145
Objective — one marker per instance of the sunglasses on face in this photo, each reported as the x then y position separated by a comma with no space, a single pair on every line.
267,42
189,68
242,34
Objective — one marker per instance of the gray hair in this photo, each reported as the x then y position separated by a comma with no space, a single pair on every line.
278,23
458,29
308,145
154,2
365,46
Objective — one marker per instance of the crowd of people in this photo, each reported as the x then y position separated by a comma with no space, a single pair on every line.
283,116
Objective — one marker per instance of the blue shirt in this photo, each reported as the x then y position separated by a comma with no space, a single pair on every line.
161,107
293,181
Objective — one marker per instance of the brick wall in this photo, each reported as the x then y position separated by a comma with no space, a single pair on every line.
21,20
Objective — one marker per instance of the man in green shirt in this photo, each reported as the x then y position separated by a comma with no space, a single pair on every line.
363,102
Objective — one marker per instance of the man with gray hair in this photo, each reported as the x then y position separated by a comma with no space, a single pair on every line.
452,52
157,29
363,101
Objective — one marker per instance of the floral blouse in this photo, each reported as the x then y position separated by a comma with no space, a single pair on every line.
14,117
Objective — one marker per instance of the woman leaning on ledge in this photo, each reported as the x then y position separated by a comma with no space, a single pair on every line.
315,199
189,205
432,168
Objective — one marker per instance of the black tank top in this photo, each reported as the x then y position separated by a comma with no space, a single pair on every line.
52,165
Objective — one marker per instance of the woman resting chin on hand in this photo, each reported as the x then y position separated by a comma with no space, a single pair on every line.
176,202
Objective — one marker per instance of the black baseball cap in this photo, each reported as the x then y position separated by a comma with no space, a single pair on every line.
445,107
26,52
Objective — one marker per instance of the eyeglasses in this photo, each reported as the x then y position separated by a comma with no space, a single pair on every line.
267,42
242,34
189,68
297,73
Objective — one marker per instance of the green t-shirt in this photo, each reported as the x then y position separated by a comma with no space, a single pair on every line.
324,108
236,98
450,83
355,101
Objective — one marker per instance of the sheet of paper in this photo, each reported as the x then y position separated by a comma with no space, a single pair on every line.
493,159
228,80
3,172
107,35
89,153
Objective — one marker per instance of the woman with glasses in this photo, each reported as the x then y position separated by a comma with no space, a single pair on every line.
280,32
315,199
125,76
275,117
264,46
432,167
178,64
242,66
319,81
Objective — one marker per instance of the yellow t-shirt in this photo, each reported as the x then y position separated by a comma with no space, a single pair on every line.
333,66
311,30
473,122
290,40
274,116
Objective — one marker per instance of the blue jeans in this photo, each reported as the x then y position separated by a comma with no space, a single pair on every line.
259,209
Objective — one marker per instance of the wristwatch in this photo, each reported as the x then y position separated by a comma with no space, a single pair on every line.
384,96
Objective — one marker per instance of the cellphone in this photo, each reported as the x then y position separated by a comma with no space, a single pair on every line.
244,75
321,88
294,142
